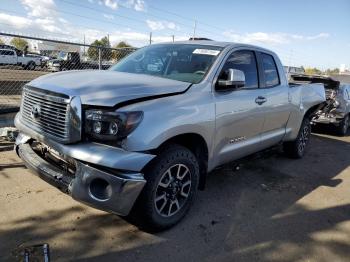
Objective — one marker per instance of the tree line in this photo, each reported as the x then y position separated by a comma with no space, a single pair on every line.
106,52
316,71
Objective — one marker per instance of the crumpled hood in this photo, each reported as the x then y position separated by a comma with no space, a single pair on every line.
108,88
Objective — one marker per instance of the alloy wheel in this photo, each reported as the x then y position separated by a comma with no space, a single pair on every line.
345,125
173,190
304,138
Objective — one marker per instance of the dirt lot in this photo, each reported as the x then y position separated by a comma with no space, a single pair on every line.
272,209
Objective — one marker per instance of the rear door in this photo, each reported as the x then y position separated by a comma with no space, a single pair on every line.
11,57
274,101
6,56
3,58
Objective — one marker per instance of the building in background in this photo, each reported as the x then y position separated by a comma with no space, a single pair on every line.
343,70
52,49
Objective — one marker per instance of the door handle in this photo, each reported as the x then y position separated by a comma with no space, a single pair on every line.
260,100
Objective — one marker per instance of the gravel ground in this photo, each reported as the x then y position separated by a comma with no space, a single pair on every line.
271,209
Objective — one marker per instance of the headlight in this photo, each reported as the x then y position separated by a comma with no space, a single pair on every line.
336,104
109,125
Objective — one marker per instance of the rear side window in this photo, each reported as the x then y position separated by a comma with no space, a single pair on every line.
7,52
270,70
246,62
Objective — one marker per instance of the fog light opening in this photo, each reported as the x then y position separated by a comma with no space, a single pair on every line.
100,189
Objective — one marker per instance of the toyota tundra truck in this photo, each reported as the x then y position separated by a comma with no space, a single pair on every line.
138,139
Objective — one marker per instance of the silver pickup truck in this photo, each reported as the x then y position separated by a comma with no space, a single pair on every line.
140,138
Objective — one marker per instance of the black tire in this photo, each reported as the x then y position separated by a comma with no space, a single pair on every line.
31,66
342,129
149,213
298,147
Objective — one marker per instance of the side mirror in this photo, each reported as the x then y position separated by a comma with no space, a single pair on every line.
235,79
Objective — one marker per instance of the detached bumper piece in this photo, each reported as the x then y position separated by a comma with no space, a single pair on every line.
115,193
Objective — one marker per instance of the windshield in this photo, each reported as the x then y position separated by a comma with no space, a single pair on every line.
187,63
62,55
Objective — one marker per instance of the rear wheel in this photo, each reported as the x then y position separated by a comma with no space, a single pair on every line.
297,148
172,182
31,66
342,129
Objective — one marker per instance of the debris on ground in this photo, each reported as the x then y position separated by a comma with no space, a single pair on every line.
9,133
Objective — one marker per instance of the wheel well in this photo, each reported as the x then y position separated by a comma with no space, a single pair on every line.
312,110
197,145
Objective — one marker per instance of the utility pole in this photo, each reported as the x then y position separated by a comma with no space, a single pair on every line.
84,45
150,38
194,29
289,63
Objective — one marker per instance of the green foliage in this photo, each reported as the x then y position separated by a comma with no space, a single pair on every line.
316,71
313,71
123,50
106,53
334,71
19,43
122,44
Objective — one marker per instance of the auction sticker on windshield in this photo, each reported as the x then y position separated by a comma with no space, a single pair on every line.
206,52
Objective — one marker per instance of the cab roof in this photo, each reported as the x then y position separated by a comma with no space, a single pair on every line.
217,43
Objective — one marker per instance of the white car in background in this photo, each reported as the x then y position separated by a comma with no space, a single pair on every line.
292,70
10,57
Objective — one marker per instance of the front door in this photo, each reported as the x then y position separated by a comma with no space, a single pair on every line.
239,120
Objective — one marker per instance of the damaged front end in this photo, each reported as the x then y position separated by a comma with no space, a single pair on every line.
52,142
333,109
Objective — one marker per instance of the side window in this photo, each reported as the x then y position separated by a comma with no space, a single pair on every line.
8,52
246,62
347,91
270,71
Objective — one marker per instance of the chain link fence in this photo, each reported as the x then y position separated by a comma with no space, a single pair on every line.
24,58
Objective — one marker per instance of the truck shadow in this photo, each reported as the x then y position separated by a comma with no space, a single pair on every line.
267,210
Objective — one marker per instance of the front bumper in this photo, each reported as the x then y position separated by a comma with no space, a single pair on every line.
115,193
53,68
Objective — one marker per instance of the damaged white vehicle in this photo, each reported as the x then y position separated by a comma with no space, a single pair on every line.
336,110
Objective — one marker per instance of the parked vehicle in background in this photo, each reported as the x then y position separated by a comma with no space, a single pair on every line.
44,59
72,61
18,52
140,138
10,57
292,70
336,110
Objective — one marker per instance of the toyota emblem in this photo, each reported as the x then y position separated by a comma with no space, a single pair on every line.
35,112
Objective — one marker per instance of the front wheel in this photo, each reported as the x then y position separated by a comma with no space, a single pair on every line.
297,148
342,129
172,182
31,66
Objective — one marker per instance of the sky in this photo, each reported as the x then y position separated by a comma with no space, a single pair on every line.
308,33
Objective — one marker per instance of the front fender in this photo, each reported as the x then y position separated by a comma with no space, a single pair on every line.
172,116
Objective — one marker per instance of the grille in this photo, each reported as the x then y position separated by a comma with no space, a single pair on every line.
46,113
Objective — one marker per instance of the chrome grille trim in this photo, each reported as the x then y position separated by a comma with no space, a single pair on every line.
54,116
